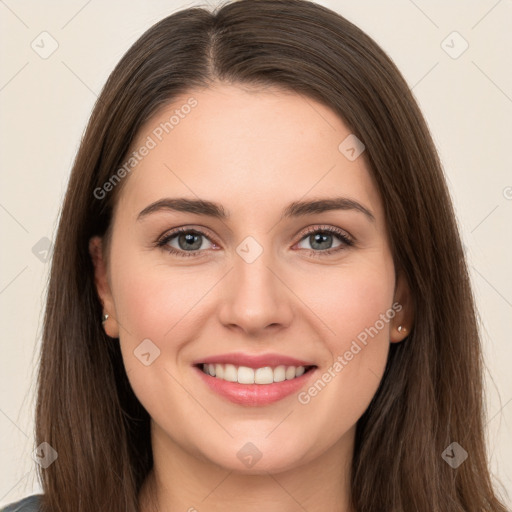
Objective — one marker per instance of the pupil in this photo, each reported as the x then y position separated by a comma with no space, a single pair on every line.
321,239
190,239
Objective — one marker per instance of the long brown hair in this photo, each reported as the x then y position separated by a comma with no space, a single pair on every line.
431,393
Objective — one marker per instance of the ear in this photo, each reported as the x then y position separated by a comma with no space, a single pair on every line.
101,282
404,317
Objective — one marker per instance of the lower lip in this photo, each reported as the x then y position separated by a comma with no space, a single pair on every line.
255,394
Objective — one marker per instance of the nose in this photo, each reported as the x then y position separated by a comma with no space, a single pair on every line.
256,298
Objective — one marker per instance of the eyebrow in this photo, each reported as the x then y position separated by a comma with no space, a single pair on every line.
217,211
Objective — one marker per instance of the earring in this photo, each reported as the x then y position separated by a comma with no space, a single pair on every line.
105,318
400,329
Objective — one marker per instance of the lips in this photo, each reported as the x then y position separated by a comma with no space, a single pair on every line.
254,361
254,394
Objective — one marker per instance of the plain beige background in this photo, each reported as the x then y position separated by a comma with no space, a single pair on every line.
465,95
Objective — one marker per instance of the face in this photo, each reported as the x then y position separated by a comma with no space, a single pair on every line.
265,285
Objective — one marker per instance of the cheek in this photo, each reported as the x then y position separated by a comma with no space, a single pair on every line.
356,309
154,303
351,299
151,299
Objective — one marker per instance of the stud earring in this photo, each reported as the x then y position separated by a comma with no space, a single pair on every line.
400,329
105,318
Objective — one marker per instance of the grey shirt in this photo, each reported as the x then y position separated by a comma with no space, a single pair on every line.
28,504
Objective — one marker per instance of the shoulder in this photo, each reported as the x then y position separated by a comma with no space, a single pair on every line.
28,504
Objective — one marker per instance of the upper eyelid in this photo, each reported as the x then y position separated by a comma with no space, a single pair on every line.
185,229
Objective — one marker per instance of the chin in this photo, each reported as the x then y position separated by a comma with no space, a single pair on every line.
246,458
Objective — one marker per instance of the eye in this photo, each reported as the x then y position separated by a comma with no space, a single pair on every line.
187,242
321,240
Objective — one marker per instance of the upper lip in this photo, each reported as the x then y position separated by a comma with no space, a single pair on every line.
253,361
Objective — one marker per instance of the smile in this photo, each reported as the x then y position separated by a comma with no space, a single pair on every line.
254,386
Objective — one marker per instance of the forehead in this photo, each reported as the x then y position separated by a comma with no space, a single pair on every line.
245,147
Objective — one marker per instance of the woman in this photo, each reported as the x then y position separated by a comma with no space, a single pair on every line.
235,162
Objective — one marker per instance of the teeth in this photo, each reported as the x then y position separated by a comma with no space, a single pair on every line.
230,373
245,375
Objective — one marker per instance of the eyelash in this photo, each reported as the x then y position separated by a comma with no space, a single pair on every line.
347,242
